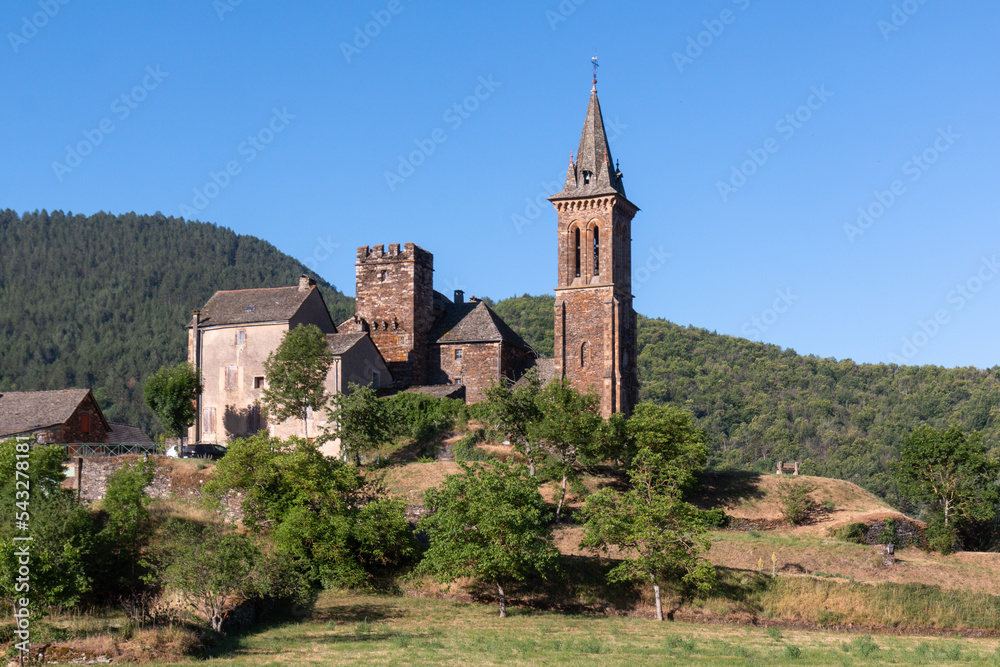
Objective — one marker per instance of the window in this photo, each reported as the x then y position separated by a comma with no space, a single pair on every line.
85,423
241,336
376,379
381,276
577,236
458,355
231,375
583,355
597,251
258,382
208,421
586,177
458,380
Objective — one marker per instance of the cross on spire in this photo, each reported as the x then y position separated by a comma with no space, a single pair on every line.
594,60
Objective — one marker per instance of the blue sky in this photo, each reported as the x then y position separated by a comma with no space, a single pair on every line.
817,175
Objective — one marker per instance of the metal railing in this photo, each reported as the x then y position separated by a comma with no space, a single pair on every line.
103,449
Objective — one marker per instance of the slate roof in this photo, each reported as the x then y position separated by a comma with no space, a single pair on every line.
594,156
24,411
545,369
440,390
342,342
246,306
474,322
125,433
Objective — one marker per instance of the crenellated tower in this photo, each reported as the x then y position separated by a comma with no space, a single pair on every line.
595,328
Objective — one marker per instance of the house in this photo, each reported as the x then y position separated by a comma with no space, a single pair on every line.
63,415
229,340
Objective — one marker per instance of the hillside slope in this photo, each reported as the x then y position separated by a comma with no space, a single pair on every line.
101,301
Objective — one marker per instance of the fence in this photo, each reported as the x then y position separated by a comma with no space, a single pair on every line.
100,449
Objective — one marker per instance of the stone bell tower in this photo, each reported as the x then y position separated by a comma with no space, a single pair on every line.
595,336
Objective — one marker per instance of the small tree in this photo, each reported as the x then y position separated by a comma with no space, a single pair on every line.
662,538
362,421
670,432
171,394
127,525
950,471
513,411
296,374
796,505
489,523
569,427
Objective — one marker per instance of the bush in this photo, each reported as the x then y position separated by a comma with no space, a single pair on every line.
941,538
466,450
852,532
423,418
715,518
796,504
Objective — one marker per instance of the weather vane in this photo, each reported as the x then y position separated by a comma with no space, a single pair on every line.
594,60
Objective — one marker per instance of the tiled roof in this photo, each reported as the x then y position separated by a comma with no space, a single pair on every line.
246,306
125,433
342,342
24,411
474,322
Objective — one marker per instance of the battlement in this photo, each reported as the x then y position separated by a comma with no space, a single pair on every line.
409,252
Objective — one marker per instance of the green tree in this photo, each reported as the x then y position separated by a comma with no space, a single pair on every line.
127,526
489,523
296,374
569,427
212,568
171,394
670,432
659,537
339,528
512,411
795,502
362,421
949,470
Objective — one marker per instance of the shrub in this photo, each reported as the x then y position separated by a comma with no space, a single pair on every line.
889,534
466,450
796,504
715,518
941,538
422,417
852,532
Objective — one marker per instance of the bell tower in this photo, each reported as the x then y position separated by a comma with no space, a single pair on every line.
595,335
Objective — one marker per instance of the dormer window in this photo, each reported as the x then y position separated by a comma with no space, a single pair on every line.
586,177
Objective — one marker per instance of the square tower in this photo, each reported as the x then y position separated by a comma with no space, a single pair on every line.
595,324
395,304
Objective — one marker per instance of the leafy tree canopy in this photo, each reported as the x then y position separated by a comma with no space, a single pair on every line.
170,394
362,421
296,374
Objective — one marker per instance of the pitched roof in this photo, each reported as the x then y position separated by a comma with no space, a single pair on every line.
125,433
592,156
24,411
474,322
439,390
246,306
545,370
342,342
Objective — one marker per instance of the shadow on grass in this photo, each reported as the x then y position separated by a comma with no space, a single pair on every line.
722,487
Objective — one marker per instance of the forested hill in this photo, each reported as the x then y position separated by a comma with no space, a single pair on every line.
760,403
101,301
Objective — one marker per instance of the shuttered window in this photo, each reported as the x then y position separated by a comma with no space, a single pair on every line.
230,377
208,421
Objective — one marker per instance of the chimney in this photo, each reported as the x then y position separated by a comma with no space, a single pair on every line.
459,296
473,299
305,282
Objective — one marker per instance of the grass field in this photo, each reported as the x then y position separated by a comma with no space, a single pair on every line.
350,629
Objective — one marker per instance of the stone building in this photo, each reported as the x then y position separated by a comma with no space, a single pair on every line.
60,416
595,325
426,338
229,340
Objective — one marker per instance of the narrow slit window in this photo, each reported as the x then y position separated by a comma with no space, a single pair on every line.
577,236
583,355
597,251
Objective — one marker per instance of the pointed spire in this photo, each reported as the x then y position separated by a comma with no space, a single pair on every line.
592,174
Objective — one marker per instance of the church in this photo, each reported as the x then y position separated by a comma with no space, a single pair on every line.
407,336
